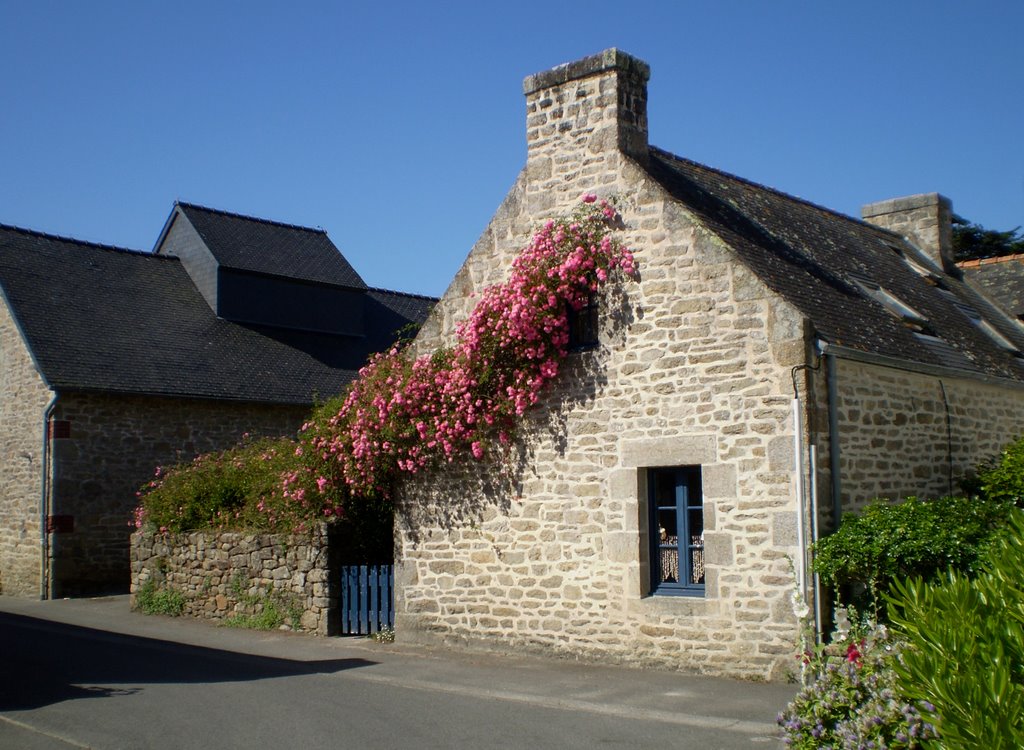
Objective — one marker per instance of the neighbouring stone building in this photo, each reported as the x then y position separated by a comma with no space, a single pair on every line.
1001,278
777,364
113,362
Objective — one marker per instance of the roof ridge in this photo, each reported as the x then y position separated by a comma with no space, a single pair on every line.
76,241
978,262
257,219
403,294
775,191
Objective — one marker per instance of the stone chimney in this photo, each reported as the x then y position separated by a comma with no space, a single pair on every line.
926,220
582,115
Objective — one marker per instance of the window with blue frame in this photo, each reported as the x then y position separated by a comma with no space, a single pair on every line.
583,325
676,504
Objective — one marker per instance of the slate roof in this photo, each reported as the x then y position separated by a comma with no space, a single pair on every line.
258,245
1002,279
102,318
814,257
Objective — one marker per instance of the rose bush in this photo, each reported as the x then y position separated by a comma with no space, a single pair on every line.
406,414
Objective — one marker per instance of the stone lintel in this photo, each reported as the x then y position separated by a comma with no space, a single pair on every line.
681,450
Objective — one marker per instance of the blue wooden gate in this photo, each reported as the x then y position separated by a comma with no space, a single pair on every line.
367,598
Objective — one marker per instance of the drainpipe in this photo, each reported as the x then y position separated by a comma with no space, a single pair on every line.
44,502
833,432
798,456
818,617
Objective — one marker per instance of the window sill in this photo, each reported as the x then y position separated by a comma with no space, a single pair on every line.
658,605
675,592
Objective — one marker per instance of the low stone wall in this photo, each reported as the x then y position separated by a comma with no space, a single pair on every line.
230,574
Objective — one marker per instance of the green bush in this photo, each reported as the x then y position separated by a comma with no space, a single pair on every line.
267,610
965,647
1002,480
236,488
152,599
887,542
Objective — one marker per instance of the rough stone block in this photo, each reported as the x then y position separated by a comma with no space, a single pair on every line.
719,480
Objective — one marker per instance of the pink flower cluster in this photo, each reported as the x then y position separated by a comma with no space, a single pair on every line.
403,415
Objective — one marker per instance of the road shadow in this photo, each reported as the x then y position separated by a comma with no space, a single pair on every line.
46,662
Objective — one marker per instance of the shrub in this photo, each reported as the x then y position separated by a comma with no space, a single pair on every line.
965,647
888,542
152,599
236,488
851,698
404,414
1002,480
266,609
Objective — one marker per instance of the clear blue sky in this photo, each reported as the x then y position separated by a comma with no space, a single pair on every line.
398,127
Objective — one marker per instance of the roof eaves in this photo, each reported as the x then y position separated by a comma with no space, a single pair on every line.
898,363
74,388
411,295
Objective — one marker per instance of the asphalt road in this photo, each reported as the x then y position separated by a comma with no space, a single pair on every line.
90,674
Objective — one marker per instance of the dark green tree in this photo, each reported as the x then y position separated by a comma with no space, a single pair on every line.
972,241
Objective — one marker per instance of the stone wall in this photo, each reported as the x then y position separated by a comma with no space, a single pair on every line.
907,433
550,553
227,574
23,400
114,444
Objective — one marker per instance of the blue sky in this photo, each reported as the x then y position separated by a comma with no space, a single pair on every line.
398,127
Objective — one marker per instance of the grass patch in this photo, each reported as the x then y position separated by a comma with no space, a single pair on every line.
269,610
152,599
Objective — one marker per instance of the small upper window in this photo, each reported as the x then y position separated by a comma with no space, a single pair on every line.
893,304
987,328
917,266
583,325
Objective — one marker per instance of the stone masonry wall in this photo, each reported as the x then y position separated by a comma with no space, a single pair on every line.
906,433
550,553
115,444
23,399
227,574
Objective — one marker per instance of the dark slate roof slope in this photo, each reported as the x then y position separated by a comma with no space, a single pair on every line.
261,246
108,319
1002,279
814,257
393,313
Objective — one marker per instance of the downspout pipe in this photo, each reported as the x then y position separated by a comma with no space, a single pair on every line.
833,432
44,502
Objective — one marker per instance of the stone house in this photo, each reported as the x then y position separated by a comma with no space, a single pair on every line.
1001,278
114,361
776,365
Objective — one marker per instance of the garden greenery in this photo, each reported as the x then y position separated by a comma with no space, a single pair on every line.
887,542
404,414
1002,479
964,655
949,673
152,599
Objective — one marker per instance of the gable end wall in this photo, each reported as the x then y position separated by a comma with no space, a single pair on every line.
23,400
697,371
184,242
